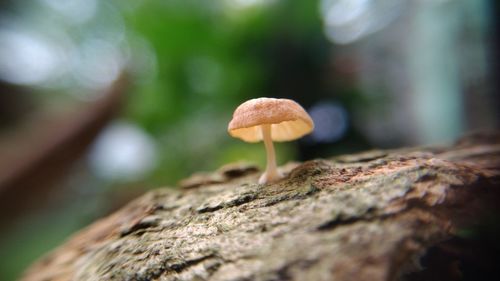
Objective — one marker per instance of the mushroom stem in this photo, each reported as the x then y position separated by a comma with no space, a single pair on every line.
271,173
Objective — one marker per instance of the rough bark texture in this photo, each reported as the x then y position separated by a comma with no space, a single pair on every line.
378,215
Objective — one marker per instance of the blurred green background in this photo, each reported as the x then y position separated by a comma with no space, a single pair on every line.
103,100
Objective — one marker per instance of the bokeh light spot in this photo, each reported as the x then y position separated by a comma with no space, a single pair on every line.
330,120
98,63
76,11
27,59
123,152
346,21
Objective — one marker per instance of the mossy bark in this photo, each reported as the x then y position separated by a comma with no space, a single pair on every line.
378,215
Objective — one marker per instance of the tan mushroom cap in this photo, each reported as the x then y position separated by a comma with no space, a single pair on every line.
288,120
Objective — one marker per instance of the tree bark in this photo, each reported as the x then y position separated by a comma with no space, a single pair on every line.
407,214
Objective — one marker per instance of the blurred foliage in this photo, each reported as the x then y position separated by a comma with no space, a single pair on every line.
211,56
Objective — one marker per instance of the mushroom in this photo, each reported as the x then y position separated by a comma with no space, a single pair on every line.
270,119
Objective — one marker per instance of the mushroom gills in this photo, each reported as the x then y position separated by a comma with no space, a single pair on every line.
284,131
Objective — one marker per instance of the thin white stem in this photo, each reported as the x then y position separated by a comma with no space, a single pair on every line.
271,173
268,142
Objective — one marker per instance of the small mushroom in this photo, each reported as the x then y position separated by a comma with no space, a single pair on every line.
270,119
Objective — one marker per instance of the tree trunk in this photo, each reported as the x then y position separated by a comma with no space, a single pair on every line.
407,214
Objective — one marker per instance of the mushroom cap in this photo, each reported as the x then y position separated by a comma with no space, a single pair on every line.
288,120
